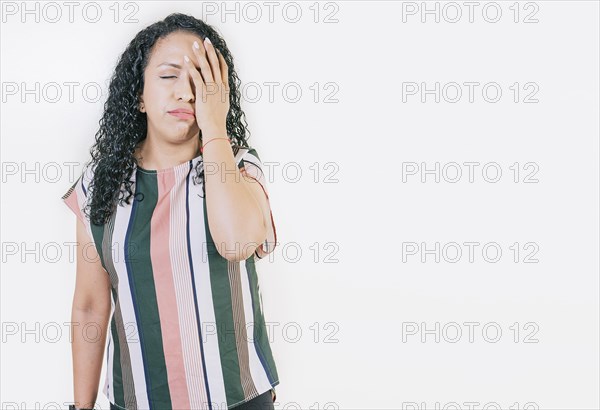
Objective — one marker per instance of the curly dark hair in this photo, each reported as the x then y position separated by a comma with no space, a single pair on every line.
123,126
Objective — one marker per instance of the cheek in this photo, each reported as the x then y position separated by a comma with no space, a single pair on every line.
157,97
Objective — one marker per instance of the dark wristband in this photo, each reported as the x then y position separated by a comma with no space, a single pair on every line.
72,407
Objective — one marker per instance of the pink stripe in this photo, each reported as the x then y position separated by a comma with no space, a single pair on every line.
165,292
73,203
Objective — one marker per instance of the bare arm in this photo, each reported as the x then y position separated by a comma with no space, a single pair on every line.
90,315
236,206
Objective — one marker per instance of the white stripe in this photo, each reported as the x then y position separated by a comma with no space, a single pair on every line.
109,389
200,263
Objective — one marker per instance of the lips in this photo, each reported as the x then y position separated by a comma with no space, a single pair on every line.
181,111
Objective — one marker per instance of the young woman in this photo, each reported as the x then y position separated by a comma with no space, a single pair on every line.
173,212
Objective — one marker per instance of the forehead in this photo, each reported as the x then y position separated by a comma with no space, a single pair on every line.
173,47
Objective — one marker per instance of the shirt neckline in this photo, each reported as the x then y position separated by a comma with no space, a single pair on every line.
181,166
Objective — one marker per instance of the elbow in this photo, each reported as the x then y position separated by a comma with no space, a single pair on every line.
241,247
96,309
233,254
239,256
92,301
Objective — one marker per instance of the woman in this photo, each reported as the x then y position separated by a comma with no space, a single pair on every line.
172,213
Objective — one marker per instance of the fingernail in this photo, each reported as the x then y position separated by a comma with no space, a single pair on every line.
207,40
196,45
186,58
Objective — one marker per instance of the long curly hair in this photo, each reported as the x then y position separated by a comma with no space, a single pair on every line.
123,126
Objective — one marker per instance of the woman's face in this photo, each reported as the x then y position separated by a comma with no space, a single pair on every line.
167,87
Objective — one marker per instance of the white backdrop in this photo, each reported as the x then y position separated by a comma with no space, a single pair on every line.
434,189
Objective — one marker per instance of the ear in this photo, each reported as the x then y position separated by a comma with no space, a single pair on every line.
141,105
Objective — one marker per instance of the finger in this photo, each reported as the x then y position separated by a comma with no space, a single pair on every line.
205,69
224,70
213,59
199,53
193,72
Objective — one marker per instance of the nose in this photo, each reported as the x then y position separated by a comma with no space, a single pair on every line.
184,89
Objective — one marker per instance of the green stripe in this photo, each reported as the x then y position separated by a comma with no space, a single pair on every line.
260,335
117,374
122,370
98,232
98,236
221,292
142,277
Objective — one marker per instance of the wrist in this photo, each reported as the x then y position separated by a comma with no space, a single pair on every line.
213,132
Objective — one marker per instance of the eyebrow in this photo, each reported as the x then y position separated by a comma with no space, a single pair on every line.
170,64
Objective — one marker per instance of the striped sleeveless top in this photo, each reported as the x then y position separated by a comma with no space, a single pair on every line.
187,327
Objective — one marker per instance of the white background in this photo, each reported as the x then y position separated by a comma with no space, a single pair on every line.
354,351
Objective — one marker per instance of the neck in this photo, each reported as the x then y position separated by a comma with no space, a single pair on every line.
153,155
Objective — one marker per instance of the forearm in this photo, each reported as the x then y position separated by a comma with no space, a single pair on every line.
234,215
88,335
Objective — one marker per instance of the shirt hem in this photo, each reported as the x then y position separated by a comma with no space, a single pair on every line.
275,383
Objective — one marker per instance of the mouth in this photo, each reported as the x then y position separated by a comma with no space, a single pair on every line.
184,114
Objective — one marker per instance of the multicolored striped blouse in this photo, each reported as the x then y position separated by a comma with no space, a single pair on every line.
187,328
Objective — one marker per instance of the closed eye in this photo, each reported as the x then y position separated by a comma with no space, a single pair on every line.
172,76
